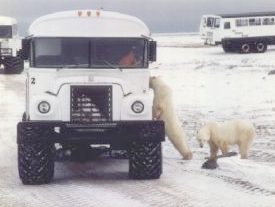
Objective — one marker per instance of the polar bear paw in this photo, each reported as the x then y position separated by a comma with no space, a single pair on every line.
188,156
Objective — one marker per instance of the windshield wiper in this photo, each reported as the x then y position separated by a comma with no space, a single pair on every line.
59,67
109,64
75,66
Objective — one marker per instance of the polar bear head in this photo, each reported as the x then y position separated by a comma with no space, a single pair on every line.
159,86
155,81
203,135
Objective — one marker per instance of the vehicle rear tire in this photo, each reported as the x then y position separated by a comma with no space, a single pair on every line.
261,47
145,160
13,65
245,48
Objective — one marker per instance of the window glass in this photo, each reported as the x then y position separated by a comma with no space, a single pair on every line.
89,53
210,22
241,22
120,53
217,22
254,21
227,25
268,21
61,52
5,31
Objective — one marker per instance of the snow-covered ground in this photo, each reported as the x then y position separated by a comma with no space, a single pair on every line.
208,85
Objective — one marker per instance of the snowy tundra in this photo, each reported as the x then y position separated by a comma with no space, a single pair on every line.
207,85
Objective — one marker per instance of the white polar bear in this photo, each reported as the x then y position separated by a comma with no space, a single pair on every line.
163,110
219,136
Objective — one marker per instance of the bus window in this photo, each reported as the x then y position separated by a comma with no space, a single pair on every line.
217,22
241,22
227,25
268,21
254,21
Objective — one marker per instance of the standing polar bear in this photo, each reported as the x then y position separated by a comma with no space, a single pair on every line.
163,110
219,136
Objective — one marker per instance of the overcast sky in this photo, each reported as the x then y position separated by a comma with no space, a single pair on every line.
159,15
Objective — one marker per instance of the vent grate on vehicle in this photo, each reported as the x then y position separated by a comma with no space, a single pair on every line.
91,104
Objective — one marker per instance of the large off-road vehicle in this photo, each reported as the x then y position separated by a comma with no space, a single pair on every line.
10,46
243,33
88,86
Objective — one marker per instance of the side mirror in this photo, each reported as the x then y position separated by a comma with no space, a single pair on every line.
152,52
25,51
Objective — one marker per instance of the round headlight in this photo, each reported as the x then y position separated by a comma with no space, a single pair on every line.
44,107
137,107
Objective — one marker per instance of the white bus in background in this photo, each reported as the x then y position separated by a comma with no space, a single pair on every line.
10,46
245,33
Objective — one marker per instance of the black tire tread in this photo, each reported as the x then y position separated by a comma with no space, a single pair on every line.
35,163
13,65
145,160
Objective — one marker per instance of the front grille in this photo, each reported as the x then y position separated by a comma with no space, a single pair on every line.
91,104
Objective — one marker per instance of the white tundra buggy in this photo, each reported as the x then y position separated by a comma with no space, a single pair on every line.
88,85
10,46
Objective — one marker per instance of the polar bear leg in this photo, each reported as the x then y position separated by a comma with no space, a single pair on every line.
224,148
243,148
179,142
213,150
157,111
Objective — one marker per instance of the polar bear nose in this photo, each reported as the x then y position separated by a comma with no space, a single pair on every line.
201,145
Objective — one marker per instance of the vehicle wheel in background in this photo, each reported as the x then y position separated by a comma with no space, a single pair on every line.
260,47
13,65
245,48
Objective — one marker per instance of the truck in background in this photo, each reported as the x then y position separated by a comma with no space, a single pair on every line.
244,33
10,46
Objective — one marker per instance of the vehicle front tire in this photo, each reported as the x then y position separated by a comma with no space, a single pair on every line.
13,65
35,163
145,160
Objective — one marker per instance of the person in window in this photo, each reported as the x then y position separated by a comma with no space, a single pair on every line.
128,59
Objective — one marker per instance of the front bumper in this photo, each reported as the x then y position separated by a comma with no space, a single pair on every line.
119,132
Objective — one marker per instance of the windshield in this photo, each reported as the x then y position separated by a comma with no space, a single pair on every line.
6,31
210,22
89,53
